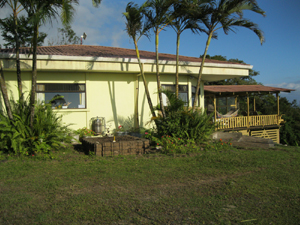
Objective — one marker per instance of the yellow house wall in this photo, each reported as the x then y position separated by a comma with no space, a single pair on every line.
110,86
108,95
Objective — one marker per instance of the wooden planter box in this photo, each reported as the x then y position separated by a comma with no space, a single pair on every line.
124,145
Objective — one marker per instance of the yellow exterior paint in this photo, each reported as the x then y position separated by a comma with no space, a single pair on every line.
110,85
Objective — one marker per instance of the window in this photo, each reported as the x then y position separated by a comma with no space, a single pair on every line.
193,95
182,93
62,96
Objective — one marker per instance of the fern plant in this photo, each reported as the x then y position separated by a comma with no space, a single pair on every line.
182,122
18,138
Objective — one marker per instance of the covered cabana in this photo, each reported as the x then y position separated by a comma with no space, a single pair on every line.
248,122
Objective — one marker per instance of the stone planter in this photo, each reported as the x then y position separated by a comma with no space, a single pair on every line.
123,145
135,134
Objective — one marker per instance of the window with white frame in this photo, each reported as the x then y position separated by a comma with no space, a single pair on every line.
62,96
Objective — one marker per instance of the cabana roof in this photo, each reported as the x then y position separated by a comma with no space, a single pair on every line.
226,90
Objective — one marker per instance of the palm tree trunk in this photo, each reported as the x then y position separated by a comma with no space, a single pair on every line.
144,80
177,65
4,93
34,75
201,70
18,59
158,77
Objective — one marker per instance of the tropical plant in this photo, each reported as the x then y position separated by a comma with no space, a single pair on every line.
184,123
4,93
17,137
226,15
24,33
182,20
96,3
15,27
158,17
39,13
136,28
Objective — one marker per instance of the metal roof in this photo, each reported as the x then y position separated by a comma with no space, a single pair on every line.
103,51
242,89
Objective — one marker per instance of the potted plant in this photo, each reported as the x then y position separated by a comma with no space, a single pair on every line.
120,131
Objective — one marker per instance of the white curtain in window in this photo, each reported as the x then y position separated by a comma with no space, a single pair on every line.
40,97
81,100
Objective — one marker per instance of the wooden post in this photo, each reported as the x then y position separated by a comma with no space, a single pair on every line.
278,111
248,112
254,106
215,108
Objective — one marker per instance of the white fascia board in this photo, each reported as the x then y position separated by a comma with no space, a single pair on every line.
122,60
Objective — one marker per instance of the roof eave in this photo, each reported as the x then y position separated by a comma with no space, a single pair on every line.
123,60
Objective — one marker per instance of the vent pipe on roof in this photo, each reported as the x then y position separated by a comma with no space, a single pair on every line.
83,36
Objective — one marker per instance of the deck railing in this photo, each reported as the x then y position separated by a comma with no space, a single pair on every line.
242,121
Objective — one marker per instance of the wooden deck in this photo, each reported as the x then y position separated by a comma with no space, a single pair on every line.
245,122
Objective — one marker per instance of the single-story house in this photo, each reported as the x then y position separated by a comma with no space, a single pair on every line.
106,82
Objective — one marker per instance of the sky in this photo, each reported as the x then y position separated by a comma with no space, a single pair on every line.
277,60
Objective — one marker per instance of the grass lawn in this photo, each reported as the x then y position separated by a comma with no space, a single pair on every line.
229,187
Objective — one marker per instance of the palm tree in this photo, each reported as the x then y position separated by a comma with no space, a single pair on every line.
136,29
158,17
5,94
182,21
17,8
226,15
39,13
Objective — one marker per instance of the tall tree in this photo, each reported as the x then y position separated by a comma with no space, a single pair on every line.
16,9
39,13
158,17
227,15
182,21
24,32
136,28
4,93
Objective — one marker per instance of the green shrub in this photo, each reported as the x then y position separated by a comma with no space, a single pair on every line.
18,138
184,123
174,145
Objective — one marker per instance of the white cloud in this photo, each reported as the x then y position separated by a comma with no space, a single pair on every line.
287,85
293,94
104,25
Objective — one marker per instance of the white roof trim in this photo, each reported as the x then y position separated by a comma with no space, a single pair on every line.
120,60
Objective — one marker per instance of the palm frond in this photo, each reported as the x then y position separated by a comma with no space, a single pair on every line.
96,3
